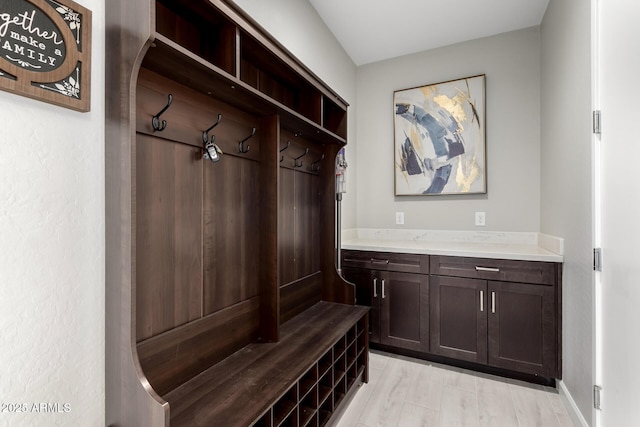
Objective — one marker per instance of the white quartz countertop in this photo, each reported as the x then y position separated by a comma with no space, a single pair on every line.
498,245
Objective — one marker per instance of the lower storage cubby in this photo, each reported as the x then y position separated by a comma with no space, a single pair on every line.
308,407
325,363
324,413
266,420
325,385
352,354
285,407
339,368
352,375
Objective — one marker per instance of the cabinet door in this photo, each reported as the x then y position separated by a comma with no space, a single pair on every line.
458,318
404,310
367,293
522,328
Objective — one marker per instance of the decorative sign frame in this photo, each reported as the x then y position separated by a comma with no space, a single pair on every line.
45,51
439,133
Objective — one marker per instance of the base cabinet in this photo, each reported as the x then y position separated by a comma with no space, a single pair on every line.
399,304
498,313
506,325
404,310
458,318
522,328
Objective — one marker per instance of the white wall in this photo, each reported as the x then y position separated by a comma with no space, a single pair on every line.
511,62
52,253
297,25
566,179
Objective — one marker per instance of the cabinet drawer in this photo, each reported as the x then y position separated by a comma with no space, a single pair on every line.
386,261
537,272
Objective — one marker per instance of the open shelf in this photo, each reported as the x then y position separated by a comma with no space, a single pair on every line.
264,71
334,118
199,28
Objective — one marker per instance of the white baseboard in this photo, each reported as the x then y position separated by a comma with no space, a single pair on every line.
570,404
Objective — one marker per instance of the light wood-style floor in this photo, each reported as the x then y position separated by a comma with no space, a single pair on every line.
406,392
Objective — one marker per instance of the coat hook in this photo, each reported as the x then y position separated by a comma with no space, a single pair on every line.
205,134
295,161
241,144
315,166
282,149
157,125
211,150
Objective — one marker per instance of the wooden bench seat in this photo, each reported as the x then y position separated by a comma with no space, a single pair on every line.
243,388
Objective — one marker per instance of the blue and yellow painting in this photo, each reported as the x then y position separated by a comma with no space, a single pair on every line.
440,138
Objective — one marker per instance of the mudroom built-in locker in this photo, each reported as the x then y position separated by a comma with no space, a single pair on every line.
224,306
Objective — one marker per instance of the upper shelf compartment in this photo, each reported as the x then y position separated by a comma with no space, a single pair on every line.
261,69
200,28
334,118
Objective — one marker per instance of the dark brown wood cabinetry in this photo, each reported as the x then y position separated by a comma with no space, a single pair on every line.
498,313
404,312
495,318
221,275
458,320
398,296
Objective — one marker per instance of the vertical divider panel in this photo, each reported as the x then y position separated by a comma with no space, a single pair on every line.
269,290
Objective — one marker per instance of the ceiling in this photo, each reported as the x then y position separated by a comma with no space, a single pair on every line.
373,31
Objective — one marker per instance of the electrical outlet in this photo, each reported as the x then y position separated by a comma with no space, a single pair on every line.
400,218
480,219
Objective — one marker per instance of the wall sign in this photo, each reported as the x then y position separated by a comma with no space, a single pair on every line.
45,51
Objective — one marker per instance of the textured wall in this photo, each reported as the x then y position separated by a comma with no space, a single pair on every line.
511,62
566,179
300,29
52,254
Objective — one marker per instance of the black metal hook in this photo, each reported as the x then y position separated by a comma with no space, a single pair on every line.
282,149
205,134
155,122
295,161
241,144
315,166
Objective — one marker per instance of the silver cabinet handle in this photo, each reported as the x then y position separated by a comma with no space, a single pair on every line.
383,289
491,269
379,261
375,285
481,300
493,302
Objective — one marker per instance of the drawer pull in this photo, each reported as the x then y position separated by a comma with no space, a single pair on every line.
481,301
382,288
375,285
493,302
379,261
490,269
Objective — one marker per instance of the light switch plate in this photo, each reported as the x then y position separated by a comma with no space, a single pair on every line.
480,219
400,218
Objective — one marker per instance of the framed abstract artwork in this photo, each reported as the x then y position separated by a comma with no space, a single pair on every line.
439,137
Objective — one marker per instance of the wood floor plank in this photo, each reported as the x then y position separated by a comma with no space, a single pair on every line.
385,403
413,415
